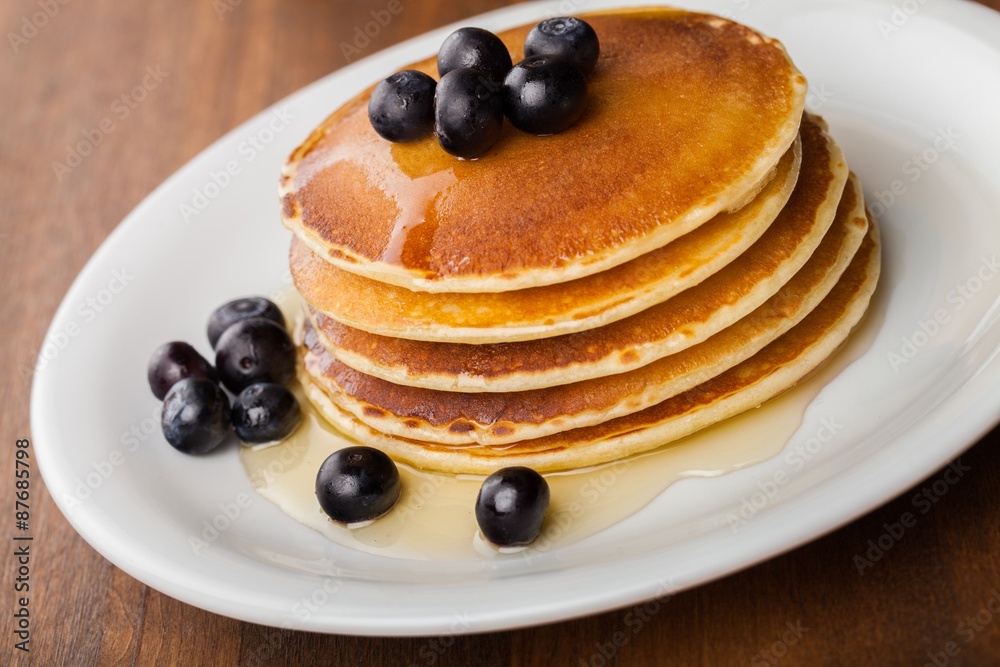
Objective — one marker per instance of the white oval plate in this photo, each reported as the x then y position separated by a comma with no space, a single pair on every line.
913,99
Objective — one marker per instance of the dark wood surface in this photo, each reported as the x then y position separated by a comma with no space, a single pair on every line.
226,60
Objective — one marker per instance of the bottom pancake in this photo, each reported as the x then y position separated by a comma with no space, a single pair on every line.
773,370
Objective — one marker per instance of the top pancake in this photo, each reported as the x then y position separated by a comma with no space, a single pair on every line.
688,115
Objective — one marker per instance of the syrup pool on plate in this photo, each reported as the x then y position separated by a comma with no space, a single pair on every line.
435,516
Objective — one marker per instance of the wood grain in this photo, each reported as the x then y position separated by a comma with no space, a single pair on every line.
225,62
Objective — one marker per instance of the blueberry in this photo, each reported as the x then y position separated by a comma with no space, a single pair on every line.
511,506
474,48
254,350
468,113
566,37
265,412
195,416
172,362
241,309
357,484
544,95
401,108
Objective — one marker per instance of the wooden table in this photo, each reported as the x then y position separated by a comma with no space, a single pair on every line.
226,60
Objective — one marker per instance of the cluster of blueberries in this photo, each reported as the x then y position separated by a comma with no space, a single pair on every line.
254,359
545,93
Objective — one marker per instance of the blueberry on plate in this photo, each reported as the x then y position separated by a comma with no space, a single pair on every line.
567,37
195,418
172,362
357,484
468,113
511,506
254,350
230,313
474,48
544,94
265,412
401,108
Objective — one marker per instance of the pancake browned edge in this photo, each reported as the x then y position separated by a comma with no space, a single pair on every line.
412,215
773,370
552,310
458,418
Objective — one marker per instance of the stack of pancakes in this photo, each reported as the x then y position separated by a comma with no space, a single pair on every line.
694,246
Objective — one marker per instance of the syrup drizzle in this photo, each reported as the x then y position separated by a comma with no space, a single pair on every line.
409,183
412,238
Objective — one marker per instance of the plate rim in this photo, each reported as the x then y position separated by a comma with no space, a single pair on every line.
959,437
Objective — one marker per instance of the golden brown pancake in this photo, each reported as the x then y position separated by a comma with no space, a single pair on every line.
768,373
457,418
542,312
684,320
688,114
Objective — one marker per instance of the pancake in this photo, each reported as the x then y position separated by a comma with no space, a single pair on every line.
667,328
552,310
688,115
771,371
457,418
